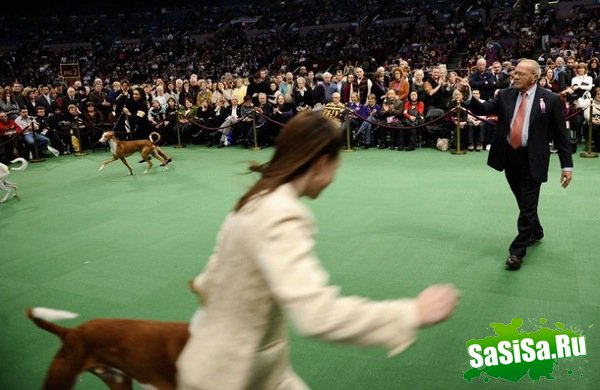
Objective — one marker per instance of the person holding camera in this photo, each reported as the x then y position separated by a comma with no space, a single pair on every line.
594,118
580,84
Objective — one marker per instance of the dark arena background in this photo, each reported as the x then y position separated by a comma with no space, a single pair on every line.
413,204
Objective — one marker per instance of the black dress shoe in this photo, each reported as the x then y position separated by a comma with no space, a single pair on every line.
534,238
514,262
166,162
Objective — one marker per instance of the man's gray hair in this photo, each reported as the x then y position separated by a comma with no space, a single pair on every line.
535,66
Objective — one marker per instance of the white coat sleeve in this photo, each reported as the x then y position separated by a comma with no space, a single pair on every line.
316,309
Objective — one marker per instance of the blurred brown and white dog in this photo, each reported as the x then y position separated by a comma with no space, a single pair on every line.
122,149
5,185
118,351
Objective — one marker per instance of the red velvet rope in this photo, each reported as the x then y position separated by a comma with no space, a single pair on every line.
195,122
12,136
483,119
405,127
89,127
271,120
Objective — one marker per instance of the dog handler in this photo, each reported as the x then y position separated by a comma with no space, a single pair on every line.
264,272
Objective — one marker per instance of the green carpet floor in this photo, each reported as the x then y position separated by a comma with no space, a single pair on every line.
104,244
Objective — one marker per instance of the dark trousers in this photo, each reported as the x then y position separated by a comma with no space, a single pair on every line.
577,125
185,132
407,138
527,194
56,141
596,137
11,146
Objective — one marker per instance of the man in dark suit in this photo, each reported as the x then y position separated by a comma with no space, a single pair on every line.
501,79
46,100
483,80
71,98
529,118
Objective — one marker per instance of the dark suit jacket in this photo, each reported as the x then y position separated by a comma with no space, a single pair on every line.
238,110
42,101
544,127
67,101
503,81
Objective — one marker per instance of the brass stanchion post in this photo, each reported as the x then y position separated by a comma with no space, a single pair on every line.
178,129
457,132
255,147
348,143
588,153
80,151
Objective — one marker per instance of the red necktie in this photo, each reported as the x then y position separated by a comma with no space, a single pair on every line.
517,128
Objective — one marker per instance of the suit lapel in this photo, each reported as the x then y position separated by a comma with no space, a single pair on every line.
535,108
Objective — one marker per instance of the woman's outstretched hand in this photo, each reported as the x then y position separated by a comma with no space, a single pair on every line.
436,303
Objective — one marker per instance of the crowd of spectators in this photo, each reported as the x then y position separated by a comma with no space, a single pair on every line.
213,40
212,90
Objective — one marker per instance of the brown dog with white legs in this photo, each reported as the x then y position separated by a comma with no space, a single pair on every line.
122,149
118,351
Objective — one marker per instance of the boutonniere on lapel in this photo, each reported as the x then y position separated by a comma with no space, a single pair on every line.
542,106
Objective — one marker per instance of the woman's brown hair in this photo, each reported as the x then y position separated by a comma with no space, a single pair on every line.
305,138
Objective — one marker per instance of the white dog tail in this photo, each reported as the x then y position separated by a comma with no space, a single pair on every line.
42,316
23,162
156,136
47,314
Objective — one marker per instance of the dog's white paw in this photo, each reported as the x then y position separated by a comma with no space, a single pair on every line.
146,171
101,167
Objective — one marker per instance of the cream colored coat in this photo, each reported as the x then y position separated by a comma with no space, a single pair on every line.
262,273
